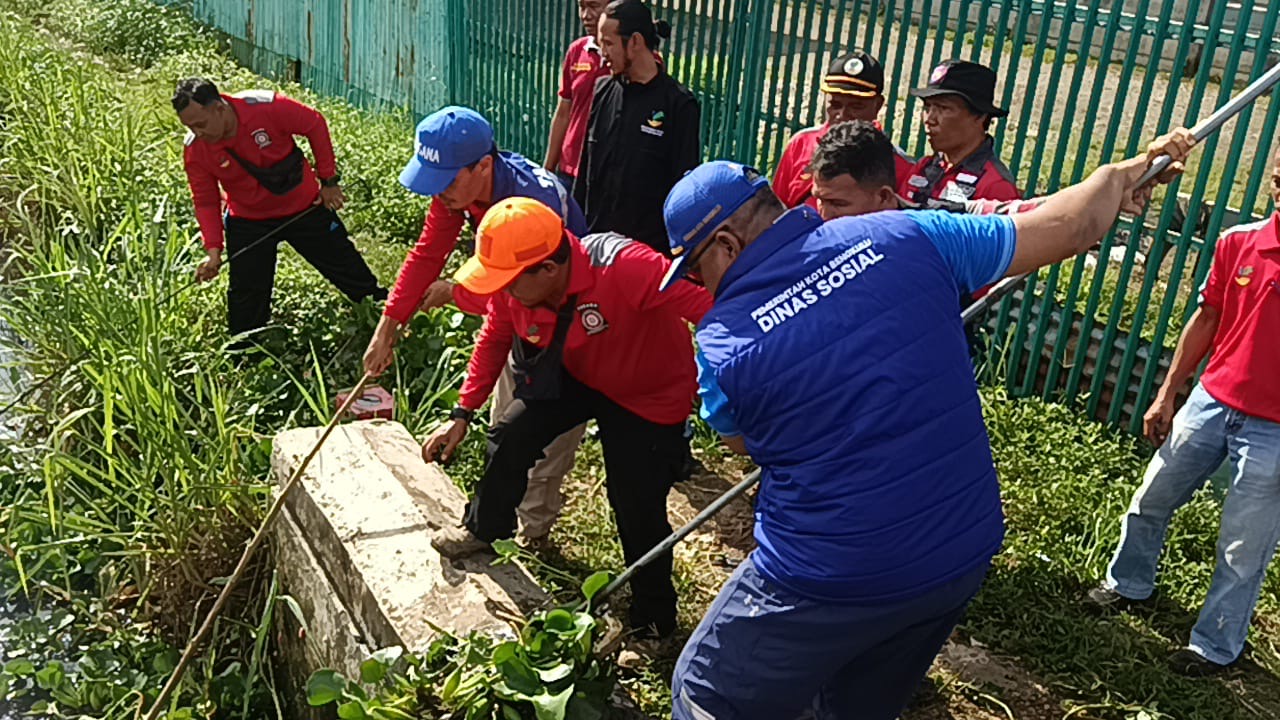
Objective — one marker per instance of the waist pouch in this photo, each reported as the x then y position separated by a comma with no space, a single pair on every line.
280,178
537,370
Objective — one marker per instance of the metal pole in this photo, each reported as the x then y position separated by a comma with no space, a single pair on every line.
1209,125
665,546
1202,130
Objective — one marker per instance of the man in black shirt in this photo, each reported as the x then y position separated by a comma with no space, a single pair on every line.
643,134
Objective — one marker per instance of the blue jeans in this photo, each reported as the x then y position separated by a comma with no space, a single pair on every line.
765,653
1204,433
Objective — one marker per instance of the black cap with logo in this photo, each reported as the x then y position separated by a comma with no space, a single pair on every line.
971,81
855,73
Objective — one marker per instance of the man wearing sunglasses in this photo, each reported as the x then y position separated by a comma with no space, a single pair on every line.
835,357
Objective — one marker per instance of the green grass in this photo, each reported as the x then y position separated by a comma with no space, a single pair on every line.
143,468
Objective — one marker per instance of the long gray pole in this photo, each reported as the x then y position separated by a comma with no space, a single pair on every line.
1202,130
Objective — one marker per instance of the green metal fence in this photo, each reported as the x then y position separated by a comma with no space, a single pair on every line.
1084,81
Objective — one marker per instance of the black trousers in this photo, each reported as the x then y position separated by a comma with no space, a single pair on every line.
641,460
319,237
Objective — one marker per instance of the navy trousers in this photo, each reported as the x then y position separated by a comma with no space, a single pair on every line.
765,653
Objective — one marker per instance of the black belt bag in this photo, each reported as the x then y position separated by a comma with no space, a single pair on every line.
537,370
280,178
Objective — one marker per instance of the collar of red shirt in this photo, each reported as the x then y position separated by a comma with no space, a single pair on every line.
1270,240
976,163
581,278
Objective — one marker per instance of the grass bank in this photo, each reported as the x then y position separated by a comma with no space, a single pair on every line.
143,467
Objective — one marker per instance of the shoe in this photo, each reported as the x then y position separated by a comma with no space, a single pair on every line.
458,542
536,545
1104,597
638,652
1189,663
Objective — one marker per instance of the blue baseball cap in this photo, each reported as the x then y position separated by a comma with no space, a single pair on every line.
700,202
446,141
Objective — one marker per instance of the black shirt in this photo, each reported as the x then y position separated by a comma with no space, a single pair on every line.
641,139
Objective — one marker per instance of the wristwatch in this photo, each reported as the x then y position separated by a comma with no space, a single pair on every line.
461,413
331,181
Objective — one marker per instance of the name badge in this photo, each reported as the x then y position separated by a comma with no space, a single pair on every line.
957,192
967,178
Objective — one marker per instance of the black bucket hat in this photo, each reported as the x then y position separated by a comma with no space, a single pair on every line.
971,81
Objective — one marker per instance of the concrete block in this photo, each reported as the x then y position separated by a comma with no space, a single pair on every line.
365,510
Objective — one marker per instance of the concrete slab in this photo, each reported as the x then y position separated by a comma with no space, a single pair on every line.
366,508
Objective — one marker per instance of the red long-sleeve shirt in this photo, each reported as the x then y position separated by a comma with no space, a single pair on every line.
792,181
422,266
628,340
267,122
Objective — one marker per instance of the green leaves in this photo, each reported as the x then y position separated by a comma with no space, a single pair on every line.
324,687
552,707
547,673
594,584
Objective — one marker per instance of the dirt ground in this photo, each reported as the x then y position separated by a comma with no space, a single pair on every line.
968,682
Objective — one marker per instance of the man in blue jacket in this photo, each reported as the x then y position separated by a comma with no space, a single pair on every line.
834,356
456,162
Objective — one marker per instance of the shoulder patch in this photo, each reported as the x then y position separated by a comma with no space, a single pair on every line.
256,97
188,139
603,248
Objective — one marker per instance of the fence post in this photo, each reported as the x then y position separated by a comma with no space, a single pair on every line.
459,51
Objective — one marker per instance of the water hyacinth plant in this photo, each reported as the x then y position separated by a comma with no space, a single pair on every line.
549,671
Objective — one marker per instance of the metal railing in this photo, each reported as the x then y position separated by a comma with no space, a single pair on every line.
1084,81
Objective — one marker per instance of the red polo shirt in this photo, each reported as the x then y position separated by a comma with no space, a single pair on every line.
792,181
628,340
582,67
981,176
267,122
1244,286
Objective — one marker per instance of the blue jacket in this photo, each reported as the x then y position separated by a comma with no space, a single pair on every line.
514,175
835,350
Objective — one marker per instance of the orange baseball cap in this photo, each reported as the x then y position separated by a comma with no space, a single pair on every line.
515,235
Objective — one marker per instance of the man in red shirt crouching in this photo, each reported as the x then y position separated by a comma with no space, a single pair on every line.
240,149
591,337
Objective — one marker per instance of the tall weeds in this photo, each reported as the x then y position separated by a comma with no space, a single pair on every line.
143,467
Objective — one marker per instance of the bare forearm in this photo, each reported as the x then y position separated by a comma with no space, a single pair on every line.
1193,346
1074,219
559,128
736,443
